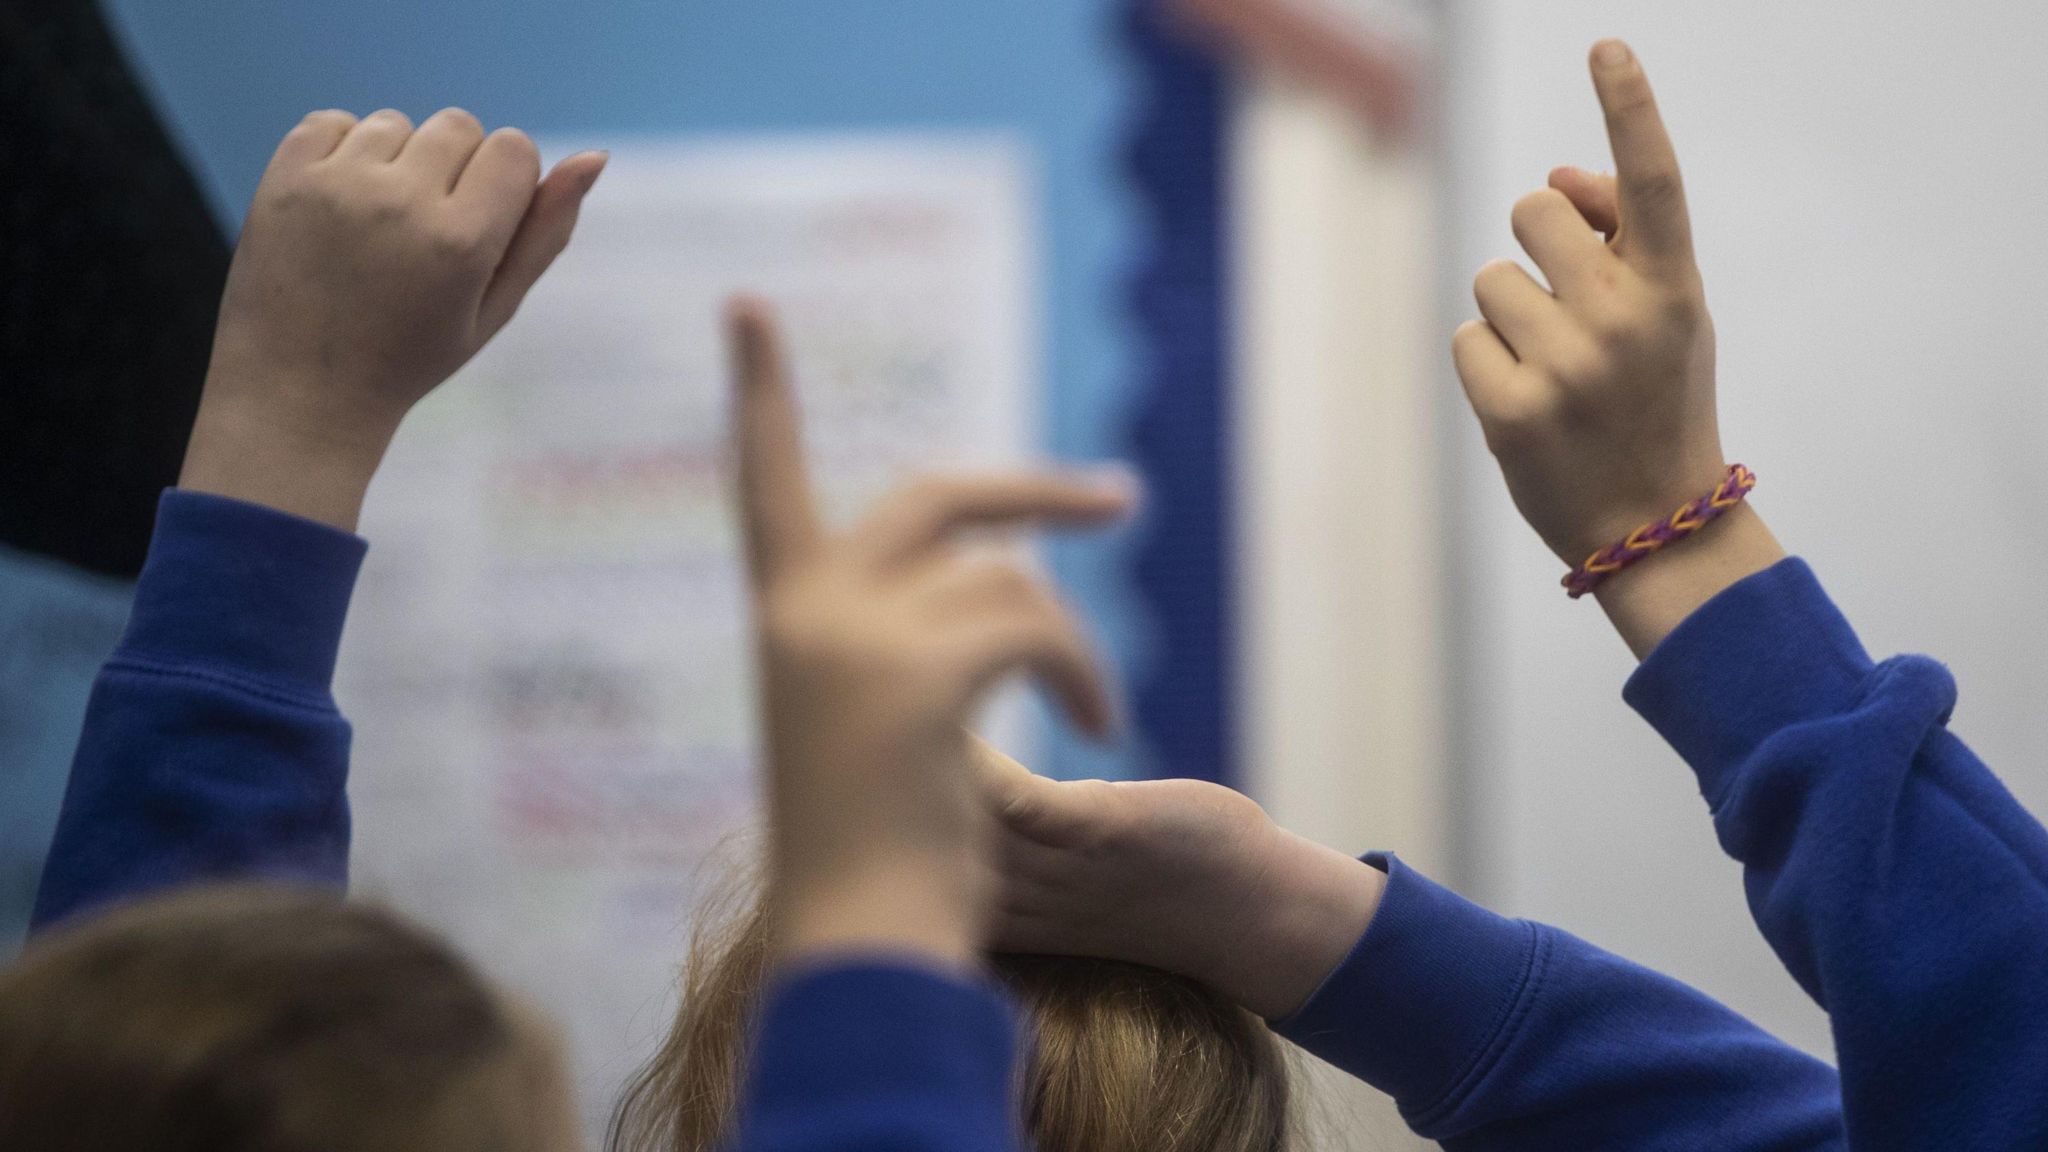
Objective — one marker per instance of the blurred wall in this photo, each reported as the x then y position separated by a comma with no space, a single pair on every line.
1866,187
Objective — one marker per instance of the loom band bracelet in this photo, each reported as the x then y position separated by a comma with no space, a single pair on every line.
1657,535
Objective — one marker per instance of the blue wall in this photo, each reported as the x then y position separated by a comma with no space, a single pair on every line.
235,74
57,625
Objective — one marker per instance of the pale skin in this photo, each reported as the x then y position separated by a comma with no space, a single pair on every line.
895,831
1182,875
376,260
1597,396
876,646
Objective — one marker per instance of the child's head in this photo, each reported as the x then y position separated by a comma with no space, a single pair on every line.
246,1020
1122,1058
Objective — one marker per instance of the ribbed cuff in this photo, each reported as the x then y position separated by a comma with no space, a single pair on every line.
245,590
1428,997
853,1033
1768,652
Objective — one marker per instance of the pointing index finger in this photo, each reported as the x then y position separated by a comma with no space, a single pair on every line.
1655,228
776,512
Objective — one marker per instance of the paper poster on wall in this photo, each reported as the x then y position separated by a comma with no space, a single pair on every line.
547,662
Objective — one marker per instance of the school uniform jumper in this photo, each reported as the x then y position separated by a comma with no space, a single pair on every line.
1900,883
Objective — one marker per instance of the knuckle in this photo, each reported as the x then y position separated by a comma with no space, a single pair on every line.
461,118
1629,102
291,193
1012,584
1532,209
1605,279
1579,367
518,144
1612,323
1658,187
1494,276
1514,422
327,118
384,202
1682,307
455,241
1470,337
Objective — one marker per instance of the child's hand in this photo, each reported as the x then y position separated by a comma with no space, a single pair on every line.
375,261
1597,395
876,646
1182,875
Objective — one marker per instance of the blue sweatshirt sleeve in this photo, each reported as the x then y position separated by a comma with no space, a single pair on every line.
212,748
1494,1034
1902,885
880,1058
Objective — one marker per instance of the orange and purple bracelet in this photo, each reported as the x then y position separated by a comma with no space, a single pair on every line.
1646,541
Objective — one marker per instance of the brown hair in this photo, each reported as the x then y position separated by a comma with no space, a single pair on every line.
1122,1058
252,1020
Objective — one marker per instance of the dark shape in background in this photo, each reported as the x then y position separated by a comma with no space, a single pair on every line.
112,265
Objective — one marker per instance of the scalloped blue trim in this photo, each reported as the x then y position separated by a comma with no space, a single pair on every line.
1180,426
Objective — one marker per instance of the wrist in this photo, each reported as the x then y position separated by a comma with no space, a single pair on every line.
1667,484
907,908
1315,905
1647,601
265,450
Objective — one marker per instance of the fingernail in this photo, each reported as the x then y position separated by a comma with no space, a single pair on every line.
1611,53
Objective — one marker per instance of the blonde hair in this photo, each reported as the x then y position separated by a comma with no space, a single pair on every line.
253,1020
1120,1058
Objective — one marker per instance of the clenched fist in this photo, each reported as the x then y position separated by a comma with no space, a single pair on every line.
375,261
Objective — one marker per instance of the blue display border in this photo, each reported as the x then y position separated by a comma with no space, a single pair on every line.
1180,433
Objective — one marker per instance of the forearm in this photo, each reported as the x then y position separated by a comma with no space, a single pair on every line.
1904,888
910,909
1305,919
1496,1034
254,443
1646,602
211,747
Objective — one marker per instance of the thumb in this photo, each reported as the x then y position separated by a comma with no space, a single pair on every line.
542,235
1023,801
1594,194
997,771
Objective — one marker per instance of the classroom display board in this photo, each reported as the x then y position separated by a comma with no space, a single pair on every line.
995,230
548,662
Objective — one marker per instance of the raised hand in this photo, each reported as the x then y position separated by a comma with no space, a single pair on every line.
1181,875
1596,393
876,646
375,261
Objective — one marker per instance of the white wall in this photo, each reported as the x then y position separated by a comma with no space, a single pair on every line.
1343,720
1867,184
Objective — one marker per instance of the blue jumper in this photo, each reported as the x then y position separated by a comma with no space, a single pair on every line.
1902,885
